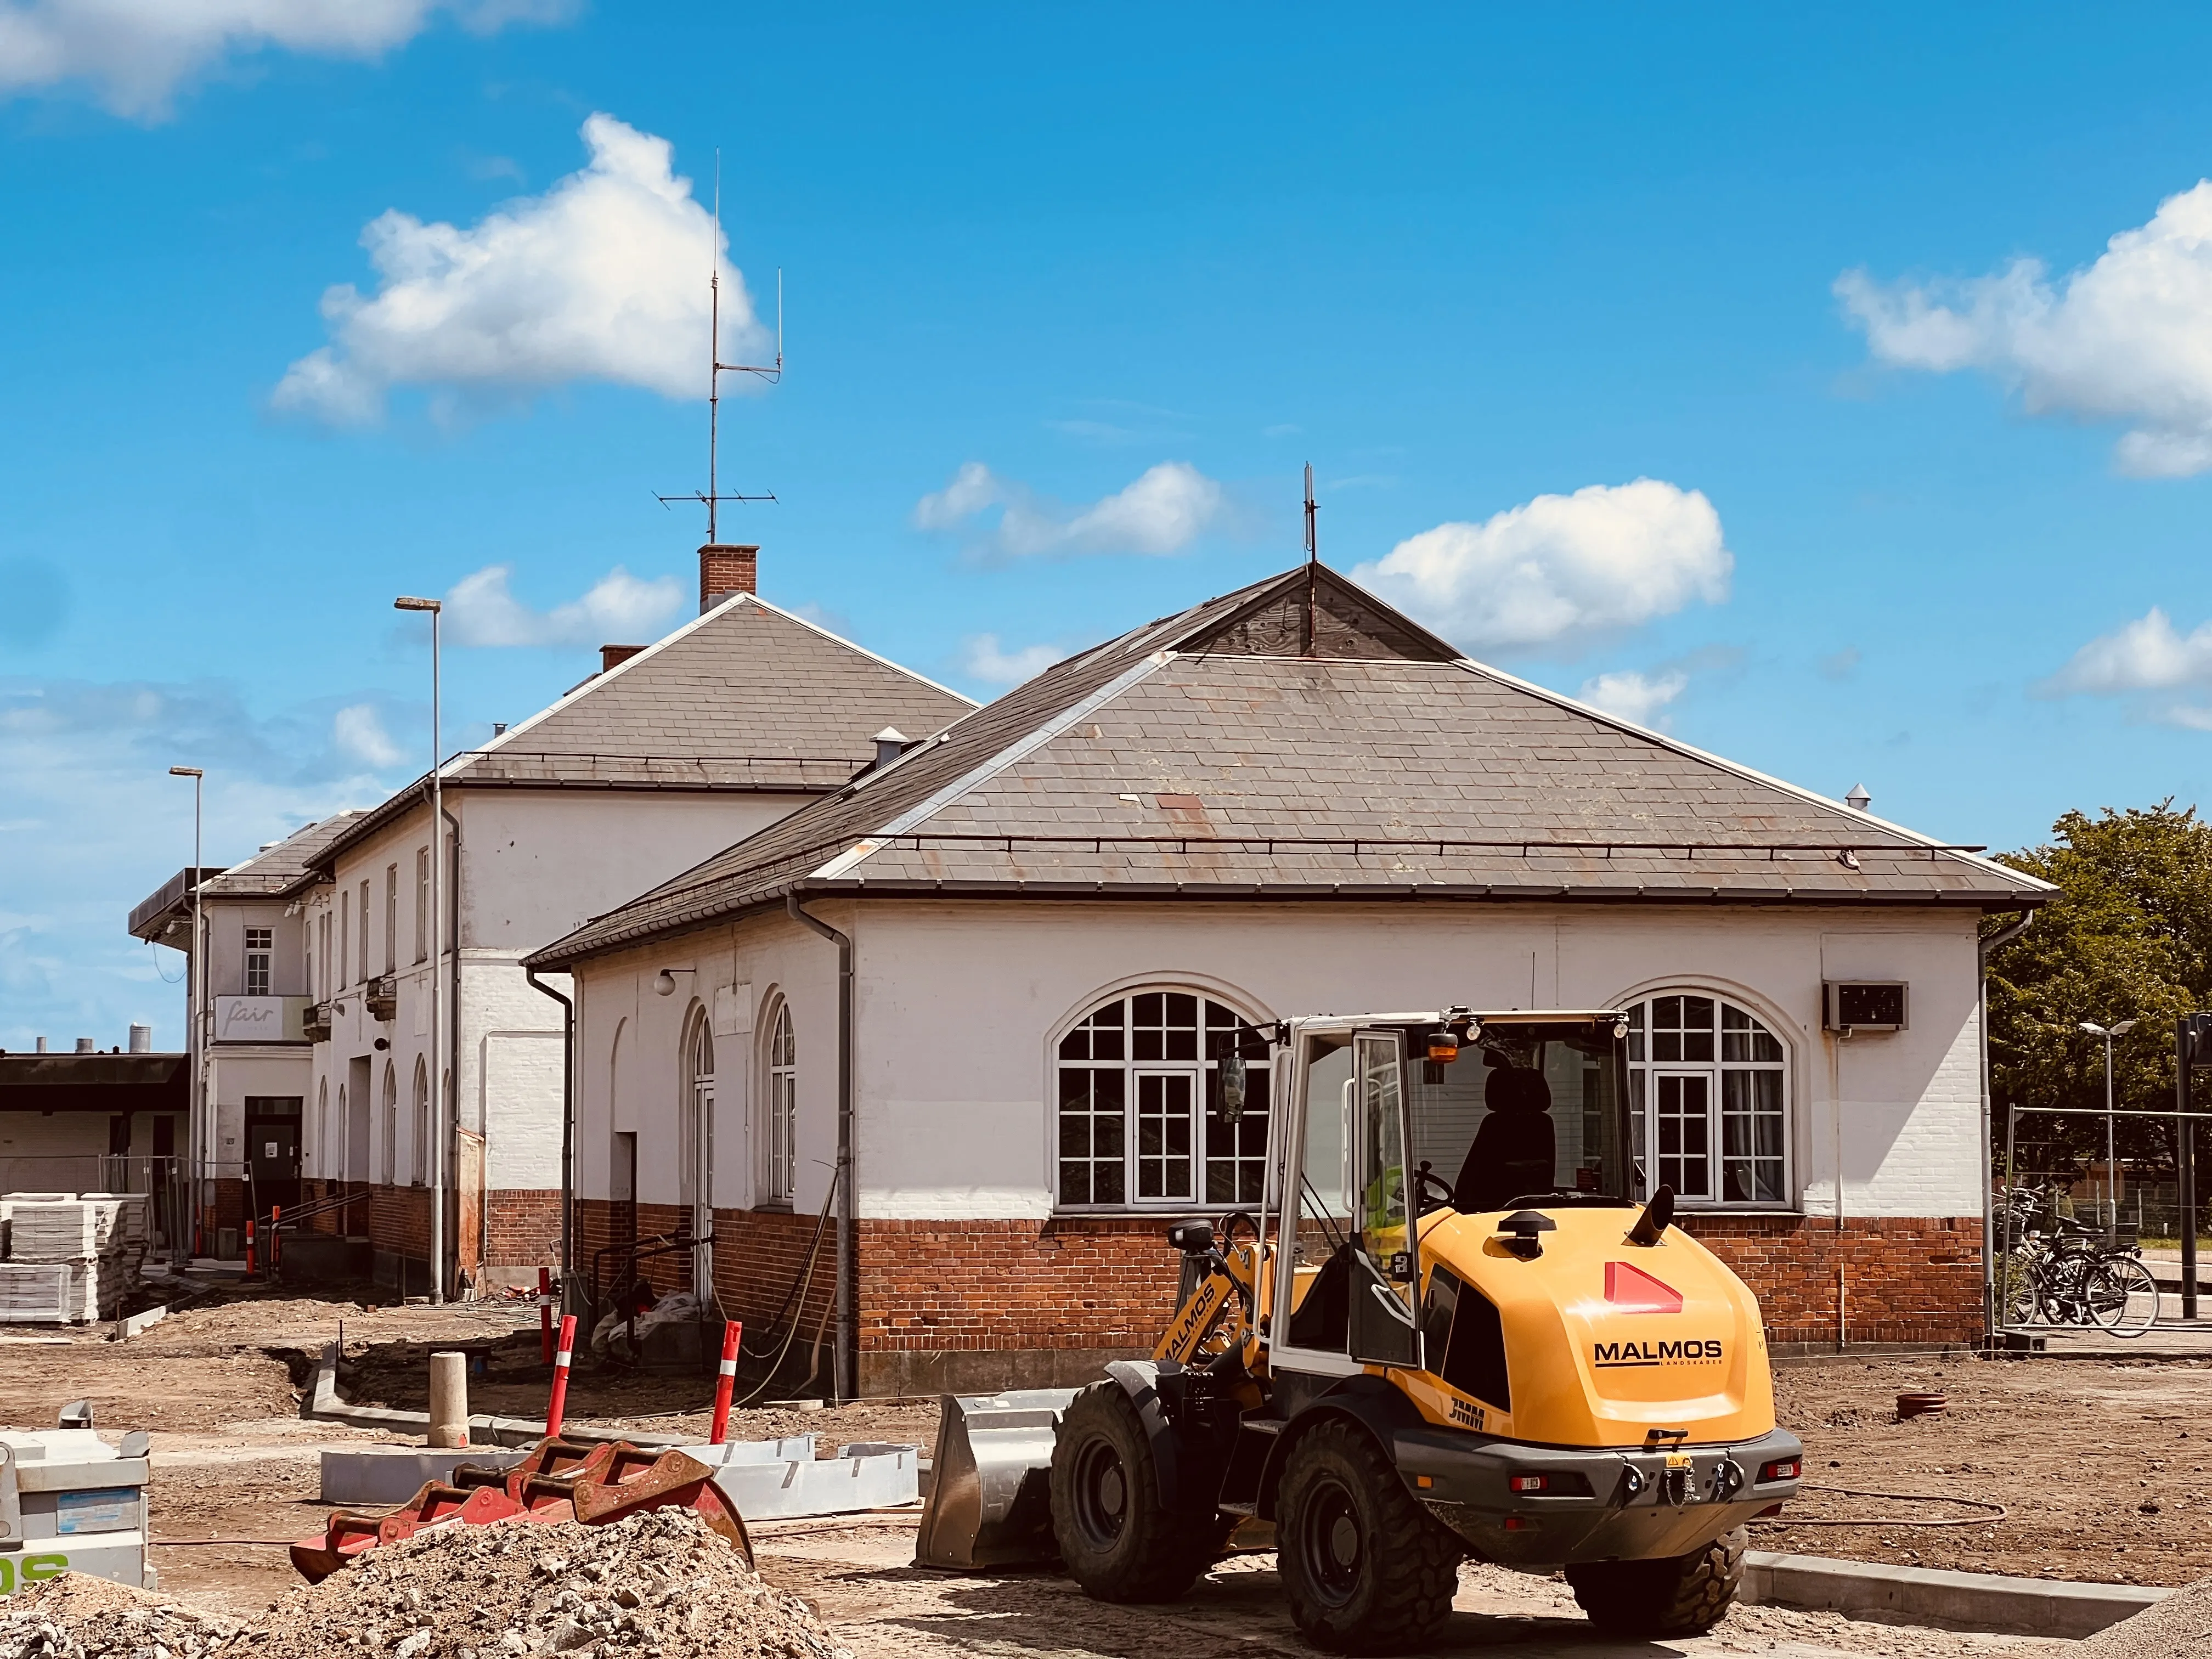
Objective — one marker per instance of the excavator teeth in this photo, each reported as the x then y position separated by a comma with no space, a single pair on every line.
559,1480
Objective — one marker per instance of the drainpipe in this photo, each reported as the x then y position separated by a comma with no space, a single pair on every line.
848,1343
567,1129
2003,937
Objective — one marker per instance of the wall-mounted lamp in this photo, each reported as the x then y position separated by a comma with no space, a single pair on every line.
664,983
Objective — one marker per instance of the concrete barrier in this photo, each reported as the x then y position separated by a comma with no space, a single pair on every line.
380,1475
1927,1596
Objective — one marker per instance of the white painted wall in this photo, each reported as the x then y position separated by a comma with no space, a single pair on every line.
534,864
959,1006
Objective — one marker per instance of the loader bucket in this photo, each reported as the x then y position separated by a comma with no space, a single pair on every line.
990,1495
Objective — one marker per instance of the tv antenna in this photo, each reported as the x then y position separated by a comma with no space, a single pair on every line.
711,496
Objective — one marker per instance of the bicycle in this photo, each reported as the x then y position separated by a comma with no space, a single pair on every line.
2062,1272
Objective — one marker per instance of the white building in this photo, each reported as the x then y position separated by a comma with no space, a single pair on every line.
668,752
1287,800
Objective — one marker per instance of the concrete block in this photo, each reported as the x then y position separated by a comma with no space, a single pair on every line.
378,1476
144,1321
874,1477
1926,1596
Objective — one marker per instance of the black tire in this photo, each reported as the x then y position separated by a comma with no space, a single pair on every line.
1366,1567
1684,1595
1119,1542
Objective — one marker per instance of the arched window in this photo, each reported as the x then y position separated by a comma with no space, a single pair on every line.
779,1159
1138,1107
697,1117
1709,1100
322,1128
422,1122
391,1125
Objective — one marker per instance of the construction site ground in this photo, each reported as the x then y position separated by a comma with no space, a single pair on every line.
2104,1470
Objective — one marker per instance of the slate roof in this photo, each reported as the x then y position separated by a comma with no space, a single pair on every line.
746,697
1300,739
270,873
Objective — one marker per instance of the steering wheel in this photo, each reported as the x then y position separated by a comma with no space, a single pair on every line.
1435,1191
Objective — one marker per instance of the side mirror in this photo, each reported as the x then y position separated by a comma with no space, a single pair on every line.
1233,1078
1658,1216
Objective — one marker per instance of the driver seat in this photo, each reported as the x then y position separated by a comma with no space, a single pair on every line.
1514,1150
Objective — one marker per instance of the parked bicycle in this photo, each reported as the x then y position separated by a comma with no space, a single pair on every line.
2060,1272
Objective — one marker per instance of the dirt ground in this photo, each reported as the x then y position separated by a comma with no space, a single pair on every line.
2101,1468
2104,1469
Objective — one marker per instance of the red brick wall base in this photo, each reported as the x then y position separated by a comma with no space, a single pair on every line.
976,1306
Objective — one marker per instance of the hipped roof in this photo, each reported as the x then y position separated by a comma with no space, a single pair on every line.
747,697
1300,739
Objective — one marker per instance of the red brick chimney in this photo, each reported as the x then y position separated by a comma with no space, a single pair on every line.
725,569
611,654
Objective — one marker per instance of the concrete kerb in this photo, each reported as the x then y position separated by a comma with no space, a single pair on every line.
325,1404
1927,1595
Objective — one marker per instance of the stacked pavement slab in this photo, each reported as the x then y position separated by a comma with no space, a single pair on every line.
70,1259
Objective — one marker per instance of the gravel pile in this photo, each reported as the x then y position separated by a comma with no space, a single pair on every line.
74,1617
660,1585
2179,1627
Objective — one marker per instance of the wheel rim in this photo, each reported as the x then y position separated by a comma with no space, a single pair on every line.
1102,1493
2123,1297
1331,1543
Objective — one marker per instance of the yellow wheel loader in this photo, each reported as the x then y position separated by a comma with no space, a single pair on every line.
1450,1325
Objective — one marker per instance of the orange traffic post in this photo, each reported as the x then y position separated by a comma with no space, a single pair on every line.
557,1408
276,1239
249,1247
725,1381
545,1314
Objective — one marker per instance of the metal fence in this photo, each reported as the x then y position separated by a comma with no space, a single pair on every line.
162,1180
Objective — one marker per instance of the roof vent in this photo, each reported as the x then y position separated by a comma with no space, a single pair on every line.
890,742
726,569
85,1046
611,654
1858,800
41,1048
142,1039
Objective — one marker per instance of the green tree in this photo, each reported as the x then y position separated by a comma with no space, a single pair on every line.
2130,937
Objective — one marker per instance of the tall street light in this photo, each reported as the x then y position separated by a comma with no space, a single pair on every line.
2111,1173
437,965
196,1133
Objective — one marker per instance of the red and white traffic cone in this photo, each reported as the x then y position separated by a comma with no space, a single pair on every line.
545,1314
558,1405
725,1381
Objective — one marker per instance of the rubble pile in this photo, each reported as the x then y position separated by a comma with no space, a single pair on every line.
660,1585
2178,1627
75,1617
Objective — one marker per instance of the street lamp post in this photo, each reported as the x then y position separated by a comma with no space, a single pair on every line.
437,964
2112,1174
196,1133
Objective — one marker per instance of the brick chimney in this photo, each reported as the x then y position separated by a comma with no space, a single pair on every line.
725,569
611,654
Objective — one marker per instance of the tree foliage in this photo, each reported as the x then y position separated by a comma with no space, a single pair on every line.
2130,937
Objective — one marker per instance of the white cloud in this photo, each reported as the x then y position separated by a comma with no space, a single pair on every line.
598,279
137,53
985,659
2128,339
1635,697
2142,659
358,730
1165,510
619,609
1608,556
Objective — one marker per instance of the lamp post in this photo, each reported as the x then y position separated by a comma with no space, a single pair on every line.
2112,1174
437,965
196,1133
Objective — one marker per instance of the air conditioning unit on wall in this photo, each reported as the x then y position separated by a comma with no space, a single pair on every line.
1864,1005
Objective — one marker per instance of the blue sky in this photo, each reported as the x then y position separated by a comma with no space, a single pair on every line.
1070,297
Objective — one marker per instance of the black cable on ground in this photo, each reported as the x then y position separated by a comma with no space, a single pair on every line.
1994,1512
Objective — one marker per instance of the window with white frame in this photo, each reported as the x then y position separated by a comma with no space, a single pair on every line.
422,1177
422,904
779,1160
260,948
363,964
1709,1100
1139,1082
390,917
695,1171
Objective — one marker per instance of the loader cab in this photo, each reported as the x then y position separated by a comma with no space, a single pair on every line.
1386,1122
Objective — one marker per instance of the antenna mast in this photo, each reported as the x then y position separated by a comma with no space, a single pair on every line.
1313,569
711,496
